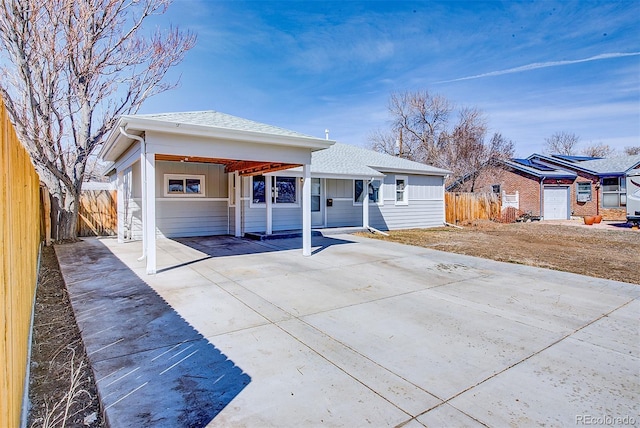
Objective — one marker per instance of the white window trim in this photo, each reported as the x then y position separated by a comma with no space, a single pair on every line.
578,192
185,177
276,205
405,194
359,204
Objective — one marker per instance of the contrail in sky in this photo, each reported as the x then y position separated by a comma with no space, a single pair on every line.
536,65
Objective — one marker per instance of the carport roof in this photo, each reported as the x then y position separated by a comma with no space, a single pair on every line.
208,124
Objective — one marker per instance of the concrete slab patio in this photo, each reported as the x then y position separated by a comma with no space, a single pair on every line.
233,332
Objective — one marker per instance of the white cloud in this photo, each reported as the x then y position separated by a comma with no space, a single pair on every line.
537,65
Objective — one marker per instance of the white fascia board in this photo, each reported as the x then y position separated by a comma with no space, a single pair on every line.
441,173
347,176
142,124
297,172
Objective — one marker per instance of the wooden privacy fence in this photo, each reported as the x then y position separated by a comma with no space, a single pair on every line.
20,234
465,207
98,215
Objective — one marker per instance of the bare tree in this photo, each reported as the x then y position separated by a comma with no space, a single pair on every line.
599,150
421,131
71,67
632,150
418,121
562,143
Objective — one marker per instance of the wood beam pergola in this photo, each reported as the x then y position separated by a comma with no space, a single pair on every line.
243,167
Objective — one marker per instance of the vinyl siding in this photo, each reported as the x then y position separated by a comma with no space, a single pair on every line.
184,218
344,214
181,217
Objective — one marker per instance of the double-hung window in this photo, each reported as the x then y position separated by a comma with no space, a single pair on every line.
614,192
374,190
402,190
182,185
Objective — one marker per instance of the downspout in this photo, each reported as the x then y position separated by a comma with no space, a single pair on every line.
541,196
143,171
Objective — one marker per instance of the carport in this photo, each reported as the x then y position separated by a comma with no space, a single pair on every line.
243,147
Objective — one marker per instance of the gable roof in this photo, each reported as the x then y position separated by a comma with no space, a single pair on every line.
347,160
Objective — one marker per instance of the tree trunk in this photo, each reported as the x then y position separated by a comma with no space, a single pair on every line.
66,218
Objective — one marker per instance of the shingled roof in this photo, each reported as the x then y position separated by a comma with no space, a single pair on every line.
215,119
348,160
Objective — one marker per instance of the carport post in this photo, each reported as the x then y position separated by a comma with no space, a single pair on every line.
306,210
238,199
150,218
268,198
120,205
365,204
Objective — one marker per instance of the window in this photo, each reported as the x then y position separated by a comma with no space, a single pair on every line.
583,192
374,191
258,195
181,185
495,188
402,195
285,190
614,192
316,192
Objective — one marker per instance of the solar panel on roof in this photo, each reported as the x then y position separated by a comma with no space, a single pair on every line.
541,167
529,163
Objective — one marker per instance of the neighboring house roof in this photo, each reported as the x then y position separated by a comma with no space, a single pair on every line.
574,158
538,169
615,165
612,165
345,159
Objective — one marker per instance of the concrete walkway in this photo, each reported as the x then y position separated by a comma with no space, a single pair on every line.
361,333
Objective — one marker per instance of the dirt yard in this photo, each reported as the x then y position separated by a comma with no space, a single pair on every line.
62,391
604,252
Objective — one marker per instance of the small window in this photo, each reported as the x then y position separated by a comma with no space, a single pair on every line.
402,195
374,191
495,188
583,192
184,185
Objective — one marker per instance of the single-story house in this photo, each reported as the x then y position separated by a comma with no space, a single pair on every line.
559,186
208,173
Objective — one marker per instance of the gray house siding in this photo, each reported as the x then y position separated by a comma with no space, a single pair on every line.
182,217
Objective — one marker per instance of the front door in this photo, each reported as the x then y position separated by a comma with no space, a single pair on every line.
317,207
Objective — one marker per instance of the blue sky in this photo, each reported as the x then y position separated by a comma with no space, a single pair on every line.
534,68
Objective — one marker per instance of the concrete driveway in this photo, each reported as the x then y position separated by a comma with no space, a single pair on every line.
362,333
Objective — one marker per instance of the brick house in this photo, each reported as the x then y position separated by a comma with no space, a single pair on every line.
558,186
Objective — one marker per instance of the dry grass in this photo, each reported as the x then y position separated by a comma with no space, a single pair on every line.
600,253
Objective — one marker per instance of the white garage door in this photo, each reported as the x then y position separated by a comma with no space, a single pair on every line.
556,201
